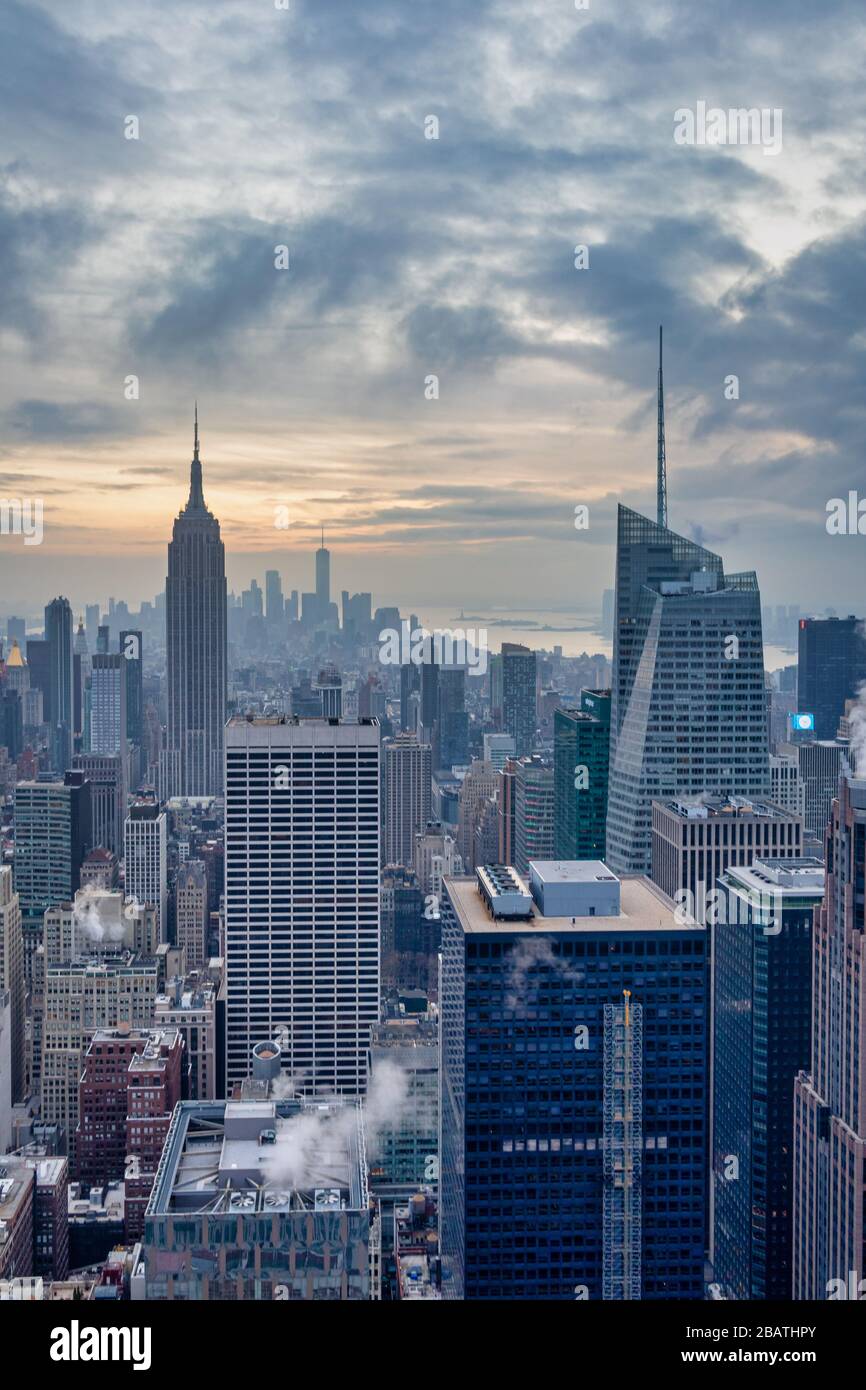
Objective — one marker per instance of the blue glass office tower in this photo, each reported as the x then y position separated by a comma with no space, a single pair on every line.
762,959
572,1112
831,666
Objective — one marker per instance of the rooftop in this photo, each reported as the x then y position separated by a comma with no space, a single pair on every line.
572,871
788,877
405,1032
49,1171
16,1182
706,807
126,962
262,1156
101,1203
193,991
643,907
153,1056
270,721
300,732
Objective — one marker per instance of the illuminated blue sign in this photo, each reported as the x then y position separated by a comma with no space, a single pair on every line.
803,723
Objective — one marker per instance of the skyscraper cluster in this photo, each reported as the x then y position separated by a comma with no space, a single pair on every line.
365,978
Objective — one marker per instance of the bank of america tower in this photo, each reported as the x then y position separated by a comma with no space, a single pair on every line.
689,706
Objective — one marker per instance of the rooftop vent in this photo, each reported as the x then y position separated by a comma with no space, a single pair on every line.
504,892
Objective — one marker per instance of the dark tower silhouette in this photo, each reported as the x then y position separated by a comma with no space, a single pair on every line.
195,617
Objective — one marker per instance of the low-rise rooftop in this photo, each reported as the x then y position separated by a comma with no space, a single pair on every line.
782,877
262,1156
643,907
707,807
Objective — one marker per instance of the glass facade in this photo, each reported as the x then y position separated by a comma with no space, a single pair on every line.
761,1019
831,667
519,695
533,812
404,1149
829,1241
689,711
581,740
522,1092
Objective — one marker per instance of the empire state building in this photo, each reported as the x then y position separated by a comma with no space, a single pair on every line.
195,616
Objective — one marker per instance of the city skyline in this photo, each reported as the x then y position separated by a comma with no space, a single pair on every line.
320,557
433,665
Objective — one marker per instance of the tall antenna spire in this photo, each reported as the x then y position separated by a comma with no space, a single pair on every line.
662,481
196,495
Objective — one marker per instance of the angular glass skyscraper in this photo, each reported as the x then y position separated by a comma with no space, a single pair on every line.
53,833
195,618
688,709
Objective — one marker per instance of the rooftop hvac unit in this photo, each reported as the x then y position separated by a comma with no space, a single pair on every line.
278,1199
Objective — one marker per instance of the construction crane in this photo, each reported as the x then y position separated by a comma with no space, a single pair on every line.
623,1149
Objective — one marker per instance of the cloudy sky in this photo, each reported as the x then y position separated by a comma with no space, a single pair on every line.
409,257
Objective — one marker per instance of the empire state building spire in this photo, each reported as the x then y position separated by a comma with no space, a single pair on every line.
196,495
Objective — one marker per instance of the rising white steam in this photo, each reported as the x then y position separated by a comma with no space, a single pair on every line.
310,1139
525,973
95,915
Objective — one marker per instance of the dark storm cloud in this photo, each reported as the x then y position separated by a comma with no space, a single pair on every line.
51,421
36,244
65,95
456,337
224,279
455,256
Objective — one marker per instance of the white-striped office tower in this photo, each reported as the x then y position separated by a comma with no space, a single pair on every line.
302,896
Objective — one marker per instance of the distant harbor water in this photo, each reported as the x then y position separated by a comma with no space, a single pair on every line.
574,632
539,628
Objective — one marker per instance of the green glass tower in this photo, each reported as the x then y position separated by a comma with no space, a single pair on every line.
581,739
